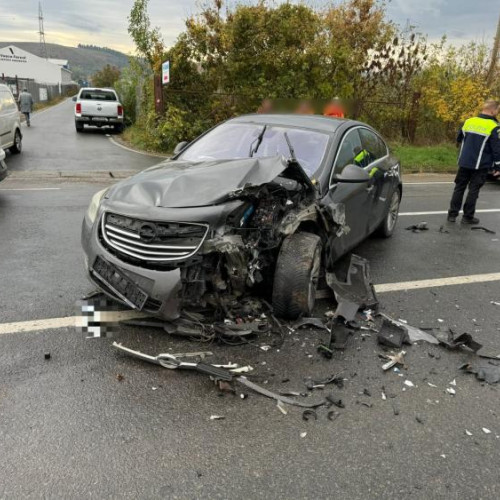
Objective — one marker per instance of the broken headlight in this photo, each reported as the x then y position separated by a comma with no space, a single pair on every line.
94,205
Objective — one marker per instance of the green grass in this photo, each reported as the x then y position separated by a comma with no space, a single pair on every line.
426,159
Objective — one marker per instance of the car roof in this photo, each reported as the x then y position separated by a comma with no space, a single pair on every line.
313,122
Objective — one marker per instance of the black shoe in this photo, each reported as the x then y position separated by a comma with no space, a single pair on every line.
470,220
452,218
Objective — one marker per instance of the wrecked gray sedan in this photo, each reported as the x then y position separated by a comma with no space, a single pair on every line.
259,205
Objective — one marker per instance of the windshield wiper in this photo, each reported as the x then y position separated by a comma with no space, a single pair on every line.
290,147
257,142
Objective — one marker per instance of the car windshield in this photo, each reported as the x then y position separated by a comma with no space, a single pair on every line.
98,95
242,140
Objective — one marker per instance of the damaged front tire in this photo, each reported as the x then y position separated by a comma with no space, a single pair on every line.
296,276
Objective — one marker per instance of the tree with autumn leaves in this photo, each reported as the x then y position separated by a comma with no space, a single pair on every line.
229,58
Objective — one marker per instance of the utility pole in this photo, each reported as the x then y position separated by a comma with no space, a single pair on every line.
494,57
41,32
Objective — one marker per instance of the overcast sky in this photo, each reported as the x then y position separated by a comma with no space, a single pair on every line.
104,22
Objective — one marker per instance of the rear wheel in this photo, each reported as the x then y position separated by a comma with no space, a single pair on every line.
18,143
79,127
386,229
296,275
118,128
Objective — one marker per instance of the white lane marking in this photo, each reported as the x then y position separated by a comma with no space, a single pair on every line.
29,189
443,212
66,322
438,282
74,321
154,155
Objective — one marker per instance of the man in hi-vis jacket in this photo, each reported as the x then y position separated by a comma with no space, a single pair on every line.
479,140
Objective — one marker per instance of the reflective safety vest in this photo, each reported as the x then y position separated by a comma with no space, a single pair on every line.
480,143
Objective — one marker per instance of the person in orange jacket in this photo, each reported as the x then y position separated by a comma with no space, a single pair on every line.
334,109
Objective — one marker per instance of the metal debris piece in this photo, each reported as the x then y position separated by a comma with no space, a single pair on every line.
486,371
419,419
453,382
414,334
416,228
409,383
495,303
217,417
468,432
431,385
272,395
451,391
486,430
309,415
281,408
482,228
357,288
303,434
313,322
396,359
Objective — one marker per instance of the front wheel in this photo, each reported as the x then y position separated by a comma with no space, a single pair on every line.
296,275
386,228
18,143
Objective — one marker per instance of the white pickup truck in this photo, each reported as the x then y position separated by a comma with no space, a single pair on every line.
99,108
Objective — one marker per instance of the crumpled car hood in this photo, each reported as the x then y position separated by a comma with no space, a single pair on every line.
181,184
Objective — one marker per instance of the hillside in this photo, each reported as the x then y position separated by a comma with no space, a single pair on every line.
84,61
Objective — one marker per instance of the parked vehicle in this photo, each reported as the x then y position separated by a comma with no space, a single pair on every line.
273,200
10,127
99,108
3,166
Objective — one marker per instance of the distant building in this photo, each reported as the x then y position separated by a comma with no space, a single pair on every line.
15,62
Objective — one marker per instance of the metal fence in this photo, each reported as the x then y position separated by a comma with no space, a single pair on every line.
41,92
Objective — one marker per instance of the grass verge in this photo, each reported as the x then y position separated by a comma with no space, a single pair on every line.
426,159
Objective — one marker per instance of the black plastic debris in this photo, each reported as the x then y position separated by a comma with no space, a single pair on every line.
345,309
448,338
482,228
46,355
309,415
391,334
416,228
443,230
333,400
357,287
484,370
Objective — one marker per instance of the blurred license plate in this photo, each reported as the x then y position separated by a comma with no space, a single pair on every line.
119,283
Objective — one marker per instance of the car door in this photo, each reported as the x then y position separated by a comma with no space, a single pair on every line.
379,165
353,198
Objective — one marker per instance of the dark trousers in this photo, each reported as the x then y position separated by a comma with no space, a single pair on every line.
474,180
27,115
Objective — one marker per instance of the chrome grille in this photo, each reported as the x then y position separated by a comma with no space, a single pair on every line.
151,241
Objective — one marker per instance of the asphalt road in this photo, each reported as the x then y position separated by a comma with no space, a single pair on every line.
70,427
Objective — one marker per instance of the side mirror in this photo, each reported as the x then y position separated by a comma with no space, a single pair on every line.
352,174
74,98
2,154
181,146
